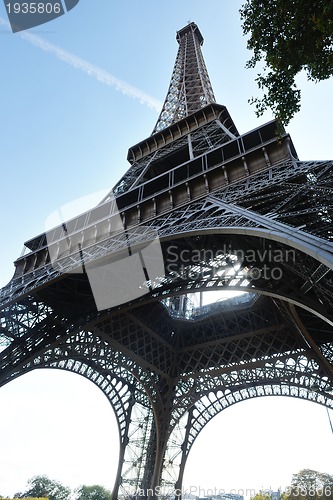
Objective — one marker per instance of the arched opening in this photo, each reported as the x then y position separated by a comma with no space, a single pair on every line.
58,424
258,444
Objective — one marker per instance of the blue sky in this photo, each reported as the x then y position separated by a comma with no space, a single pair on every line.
64,135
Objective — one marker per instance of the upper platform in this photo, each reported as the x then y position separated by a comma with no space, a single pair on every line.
186,125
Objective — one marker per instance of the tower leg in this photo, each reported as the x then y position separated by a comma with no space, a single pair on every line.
184,454
123,443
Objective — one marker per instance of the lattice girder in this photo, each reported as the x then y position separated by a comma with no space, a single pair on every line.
190,88
296,375
18,319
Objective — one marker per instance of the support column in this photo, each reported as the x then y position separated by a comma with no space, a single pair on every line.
123,443
184,448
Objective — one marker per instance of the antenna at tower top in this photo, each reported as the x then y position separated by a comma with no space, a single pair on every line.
190,88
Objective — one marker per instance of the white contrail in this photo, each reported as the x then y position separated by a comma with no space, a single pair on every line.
91,70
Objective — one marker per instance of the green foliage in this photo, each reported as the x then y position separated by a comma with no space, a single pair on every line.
309,484
311,478
261,496
95,492
42,486
288,36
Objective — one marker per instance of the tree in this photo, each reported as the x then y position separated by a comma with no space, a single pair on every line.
42,486
288,36
309,484
95,492
261,496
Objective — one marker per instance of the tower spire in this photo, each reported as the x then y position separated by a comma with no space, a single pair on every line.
190,88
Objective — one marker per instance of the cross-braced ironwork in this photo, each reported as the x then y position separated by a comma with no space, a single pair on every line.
190,88
228,213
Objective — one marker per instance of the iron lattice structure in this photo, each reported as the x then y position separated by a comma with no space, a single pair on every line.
190,88
231,212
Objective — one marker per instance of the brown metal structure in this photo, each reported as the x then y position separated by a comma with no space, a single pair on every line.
227,212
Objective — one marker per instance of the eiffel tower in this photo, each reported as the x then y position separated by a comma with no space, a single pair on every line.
203,279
